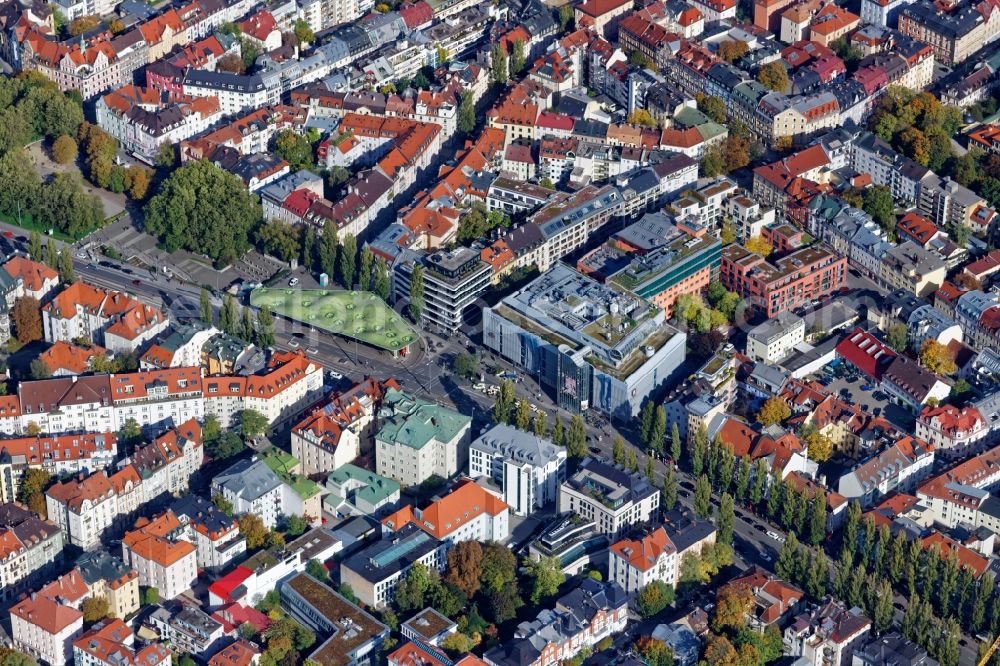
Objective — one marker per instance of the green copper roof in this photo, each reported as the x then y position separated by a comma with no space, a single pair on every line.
368,486
414,422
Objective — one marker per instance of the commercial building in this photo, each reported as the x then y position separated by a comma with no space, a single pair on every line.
419,439
354,636
787,283
608,495
594,345
528,469
453,281
669,257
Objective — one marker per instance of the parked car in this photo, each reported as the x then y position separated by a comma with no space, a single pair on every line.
867,387
336,375
294,281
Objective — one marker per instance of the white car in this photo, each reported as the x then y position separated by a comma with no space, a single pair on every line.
294,281
335,375
777,537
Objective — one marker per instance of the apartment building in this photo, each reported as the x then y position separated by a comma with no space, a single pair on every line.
418,439
634,564
581,619
161,558
957,494
215,534
86,508
776,338
111,643
910,384
912,268
112,319
32,549
467,513
787,283
187,629
954,432
107,576
954,35
609,496
374,572
143,121
899,468
827,635
45,628
252,487
33,278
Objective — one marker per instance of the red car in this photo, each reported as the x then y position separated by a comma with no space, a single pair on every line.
8,234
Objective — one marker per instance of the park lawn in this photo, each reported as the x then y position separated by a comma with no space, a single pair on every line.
359,315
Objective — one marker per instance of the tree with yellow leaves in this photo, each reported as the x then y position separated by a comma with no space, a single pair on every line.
937,358
820,446
643,118
758,245
774,411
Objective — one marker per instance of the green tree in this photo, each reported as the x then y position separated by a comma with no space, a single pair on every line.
703,497
646,419
498,65
466,365
253,423
151,596
265,327
303,32
654,598
467,113
668,497
203,208
897,337
280,240
64,149
206,307
365,267
66,273
818,577
658,432
221,503
727,519
566,18
522,415
817,519
878,202
576,438
773,75
540,426
247,332
229,316
517,58
416,292
618,454
699,444
558,432
759,482
381,282
348,262
32,490
787,562
712,106
35,246
546,575
675,443
774,411
504,405
329,248
295,526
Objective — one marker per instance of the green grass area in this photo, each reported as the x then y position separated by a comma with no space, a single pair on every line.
359,315
28,224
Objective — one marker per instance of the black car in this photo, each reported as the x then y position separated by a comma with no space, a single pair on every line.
106,264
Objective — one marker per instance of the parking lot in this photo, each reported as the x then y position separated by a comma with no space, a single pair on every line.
851,388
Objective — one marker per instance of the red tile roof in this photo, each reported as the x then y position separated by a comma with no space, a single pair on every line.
466,502
644,554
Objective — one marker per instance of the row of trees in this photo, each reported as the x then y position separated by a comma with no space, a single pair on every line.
238,321
504,67
508,408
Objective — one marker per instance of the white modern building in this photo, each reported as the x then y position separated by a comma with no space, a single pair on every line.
528,469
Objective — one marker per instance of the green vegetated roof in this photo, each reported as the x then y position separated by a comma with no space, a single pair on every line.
281,463
413,422
360,315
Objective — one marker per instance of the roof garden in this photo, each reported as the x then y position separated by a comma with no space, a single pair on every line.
359,315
